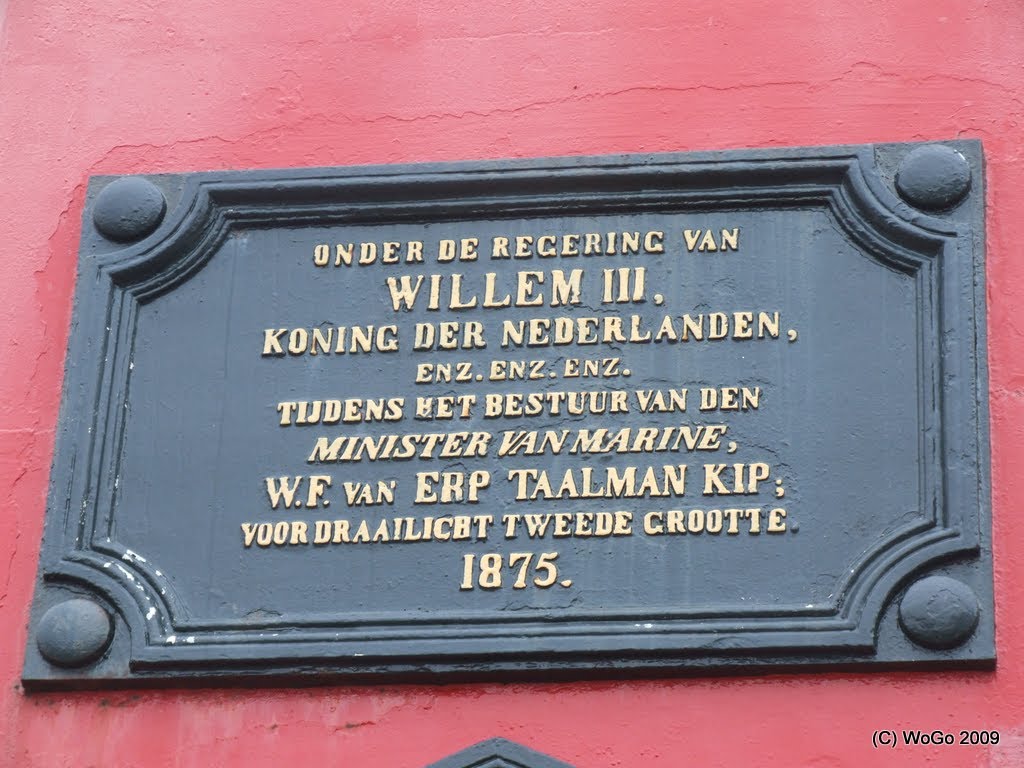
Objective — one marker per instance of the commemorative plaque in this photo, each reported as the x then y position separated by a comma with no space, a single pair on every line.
631,415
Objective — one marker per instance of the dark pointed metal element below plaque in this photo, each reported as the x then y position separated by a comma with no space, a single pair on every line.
613,416
499,753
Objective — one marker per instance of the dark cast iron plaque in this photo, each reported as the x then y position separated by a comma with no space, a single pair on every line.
618,415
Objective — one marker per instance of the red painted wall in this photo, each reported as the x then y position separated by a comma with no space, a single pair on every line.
119,86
